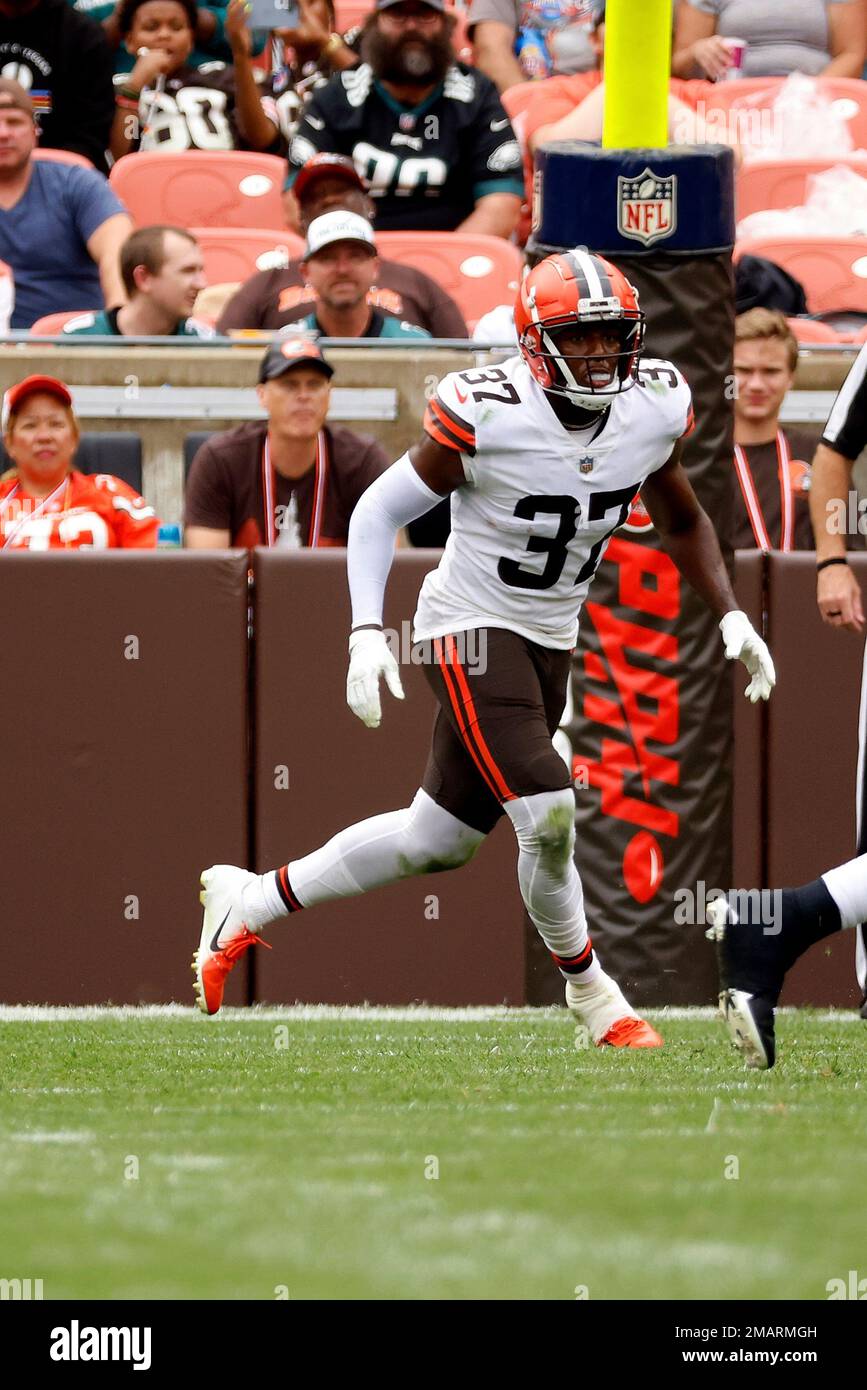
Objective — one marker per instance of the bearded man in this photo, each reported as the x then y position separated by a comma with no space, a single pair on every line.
428,134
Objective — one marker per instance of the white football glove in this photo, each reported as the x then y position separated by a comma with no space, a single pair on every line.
370,658
743,643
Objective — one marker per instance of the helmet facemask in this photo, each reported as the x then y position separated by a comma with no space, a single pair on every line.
589,381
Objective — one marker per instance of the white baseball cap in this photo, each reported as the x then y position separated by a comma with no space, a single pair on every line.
338,226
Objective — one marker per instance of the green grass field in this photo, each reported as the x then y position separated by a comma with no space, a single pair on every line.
291,1151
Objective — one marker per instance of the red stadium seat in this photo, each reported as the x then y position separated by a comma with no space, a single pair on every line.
51,324
813,331
234,188
479,272
234,254
62,157
849,95
782,183
833,270
516,99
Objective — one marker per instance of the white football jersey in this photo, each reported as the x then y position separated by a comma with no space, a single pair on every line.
541,502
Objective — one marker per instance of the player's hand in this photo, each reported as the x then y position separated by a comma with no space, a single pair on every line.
838,595
712,56
370,658
743,643
151,62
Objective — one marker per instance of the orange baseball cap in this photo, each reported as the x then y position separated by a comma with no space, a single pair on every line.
28,387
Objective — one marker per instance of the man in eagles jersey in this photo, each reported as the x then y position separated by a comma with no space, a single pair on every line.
531,518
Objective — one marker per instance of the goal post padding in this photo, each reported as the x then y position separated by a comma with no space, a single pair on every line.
652,731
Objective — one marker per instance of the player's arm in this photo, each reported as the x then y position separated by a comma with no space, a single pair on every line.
688,536
407,490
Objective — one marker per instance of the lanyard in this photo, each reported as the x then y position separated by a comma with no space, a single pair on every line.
751,497
27,517
269,491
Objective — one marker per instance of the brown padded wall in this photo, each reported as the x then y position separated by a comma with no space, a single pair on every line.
747,823
813,749
120,777
379,947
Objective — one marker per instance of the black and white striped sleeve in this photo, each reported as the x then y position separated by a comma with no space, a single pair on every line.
846,430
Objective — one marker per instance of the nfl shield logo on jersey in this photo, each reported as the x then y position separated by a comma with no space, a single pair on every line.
585,464
647,207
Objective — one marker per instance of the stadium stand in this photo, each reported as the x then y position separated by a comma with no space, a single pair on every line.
233,254
764,184
758,94
833,270
229,188
52,324
479,272
813,331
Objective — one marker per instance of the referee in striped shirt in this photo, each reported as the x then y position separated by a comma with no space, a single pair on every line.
838,592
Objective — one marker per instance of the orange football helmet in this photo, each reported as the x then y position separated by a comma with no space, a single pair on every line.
567,290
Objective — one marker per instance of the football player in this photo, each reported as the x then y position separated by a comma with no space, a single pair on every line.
542,456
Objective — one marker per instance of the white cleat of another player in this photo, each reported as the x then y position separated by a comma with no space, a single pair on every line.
225,935
602,1009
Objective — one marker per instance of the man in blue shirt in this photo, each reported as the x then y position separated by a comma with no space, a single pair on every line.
61,226
341,264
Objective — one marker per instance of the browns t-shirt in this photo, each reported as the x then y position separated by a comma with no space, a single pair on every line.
225,488
762,459
274,298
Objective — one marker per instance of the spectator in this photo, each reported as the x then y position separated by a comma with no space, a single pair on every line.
825,38
61,226
428,133
45,503
770,483
273,298
517,41
165,104
211,45
63,60
163,275
341,264
290,480
315,53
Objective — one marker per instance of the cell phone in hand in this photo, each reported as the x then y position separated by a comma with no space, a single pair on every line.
273,14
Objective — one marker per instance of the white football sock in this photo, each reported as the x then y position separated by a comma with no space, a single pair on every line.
549,881
420,839
848,887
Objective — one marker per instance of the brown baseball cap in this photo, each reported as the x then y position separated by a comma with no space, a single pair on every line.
13,94
289,352
332,166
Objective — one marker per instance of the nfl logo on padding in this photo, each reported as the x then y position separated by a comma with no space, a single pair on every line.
647,206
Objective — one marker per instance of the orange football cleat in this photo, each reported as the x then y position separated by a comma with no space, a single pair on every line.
225,937
631,1032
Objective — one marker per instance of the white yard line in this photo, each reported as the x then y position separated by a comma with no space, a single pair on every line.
314,1013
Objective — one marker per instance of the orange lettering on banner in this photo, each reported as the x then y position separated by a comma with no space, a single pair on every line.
643,701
